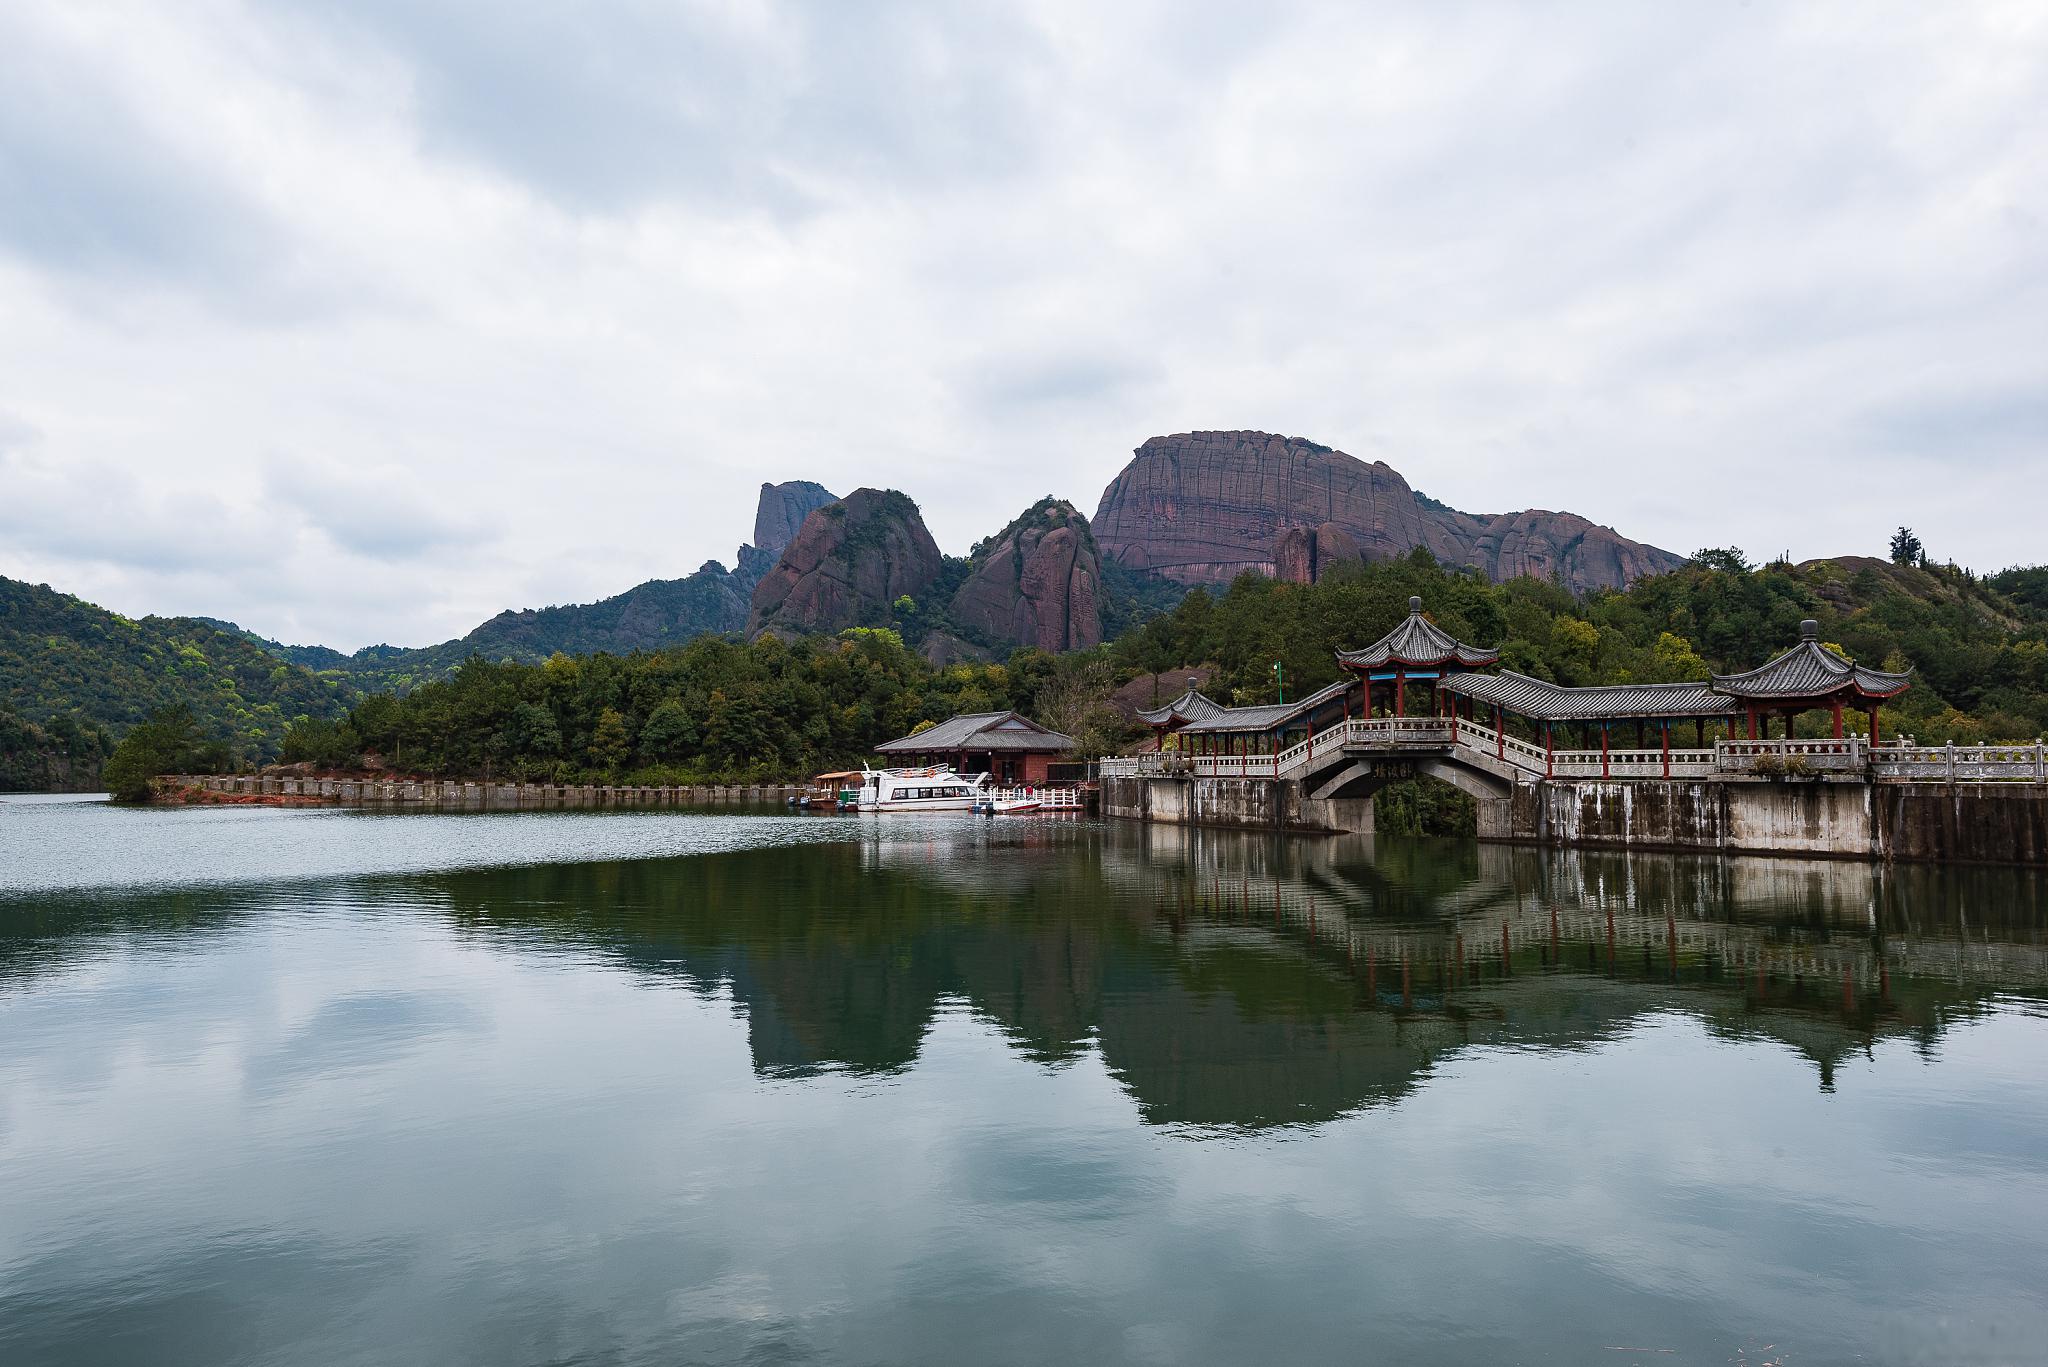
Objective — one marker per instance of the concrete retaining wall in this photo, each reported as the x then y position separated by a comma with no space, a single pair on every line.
1244,803
1855,819
453,795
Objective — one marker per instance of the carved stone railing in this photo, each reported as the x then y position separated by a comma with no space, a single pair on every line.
1848,755
1962,763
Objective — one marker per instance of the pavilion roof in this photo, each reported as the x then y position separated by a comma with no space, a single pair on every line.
1541,700
1192,705
1420,643
1268,716
1810,670
980,731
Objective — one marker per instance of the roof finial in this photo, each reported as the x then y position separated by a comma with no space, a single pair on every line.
1191,683
1809,630
1414,607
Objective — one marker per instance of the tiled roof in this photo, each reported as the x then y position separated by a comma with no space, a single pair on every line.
979,731
1420,642
1809,670
1540,700
1189,706
1268,715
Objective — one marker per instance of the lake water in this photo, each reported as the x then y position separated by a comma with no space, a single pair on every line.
334,1087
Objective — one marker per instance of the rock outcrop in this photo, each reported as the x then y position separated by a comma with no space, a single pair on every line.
777,517
1038,582
849,561
1200,507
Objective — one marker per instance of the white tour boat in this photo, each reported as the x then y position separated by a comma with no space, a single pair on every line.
936,789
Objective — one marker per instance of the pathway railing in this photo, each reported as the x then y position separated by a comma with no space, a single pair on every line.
1748,758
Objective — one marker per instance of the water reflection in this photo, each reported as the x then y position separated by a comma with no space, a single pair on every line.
1020,1092
1227,980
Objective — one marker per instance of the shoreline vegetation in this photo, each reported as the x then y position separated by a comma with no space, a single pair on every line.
720,711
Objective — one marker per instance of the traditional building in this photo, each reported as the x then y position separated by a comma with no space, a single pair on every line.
1008,746
1416,649
1192,705
1806,678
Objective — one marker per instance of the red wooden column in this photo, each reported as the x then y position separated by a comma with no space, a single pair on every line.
1665,727
1838,718
1500,735
1873,726
1400,693
1752,721
1605,772
1549,752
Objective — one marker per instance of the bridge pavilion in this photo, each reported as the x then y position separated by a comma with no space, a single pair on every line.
1806,678
1810,677
1191,706
1416,649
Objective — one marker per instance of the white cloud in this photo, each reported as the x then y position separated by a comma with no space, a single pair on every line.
506,305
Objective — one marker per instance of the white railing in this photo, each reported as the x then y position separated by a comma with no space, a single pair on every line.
1962,763
1847,755
1051,799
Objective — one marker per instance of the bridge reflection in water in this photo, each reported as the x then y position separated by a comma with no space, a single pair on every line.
1226,979
1239,981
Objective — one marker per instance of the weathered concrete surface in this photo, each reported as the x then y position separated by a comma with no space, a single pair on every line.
1961,823
458,795
1968,823
1243,803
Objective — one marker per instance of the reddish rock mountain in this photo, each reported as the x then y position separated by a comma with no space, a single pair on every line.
1037,582
777,517
1200,507
848,562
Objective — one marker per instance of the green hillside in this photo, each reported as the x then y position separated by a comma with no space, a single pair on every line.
62,658
1979,654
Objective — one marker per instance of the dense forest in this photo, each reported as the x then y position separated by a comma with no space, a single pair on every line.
1979,651
715,709
61,657
63,755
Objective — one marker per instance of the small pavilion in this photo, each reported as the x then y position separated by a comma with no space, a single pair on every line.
1806,678
1416,649
1006,745
1191,706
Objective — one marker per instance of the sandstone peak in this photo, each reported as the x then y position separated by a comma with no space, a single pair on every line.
1201,507
1037,582
848,562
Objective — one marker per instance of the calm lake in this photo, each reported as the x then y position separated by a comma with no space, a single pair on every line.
335,1087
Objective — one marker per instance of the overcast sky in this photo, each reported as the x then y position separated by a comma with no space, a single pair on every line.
360,321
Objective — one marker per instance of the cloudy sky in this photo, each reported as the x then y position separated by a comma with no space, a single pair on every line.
359,322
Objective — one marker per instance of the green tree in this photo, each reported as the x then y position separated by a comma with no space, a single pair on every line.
1906,548
609,743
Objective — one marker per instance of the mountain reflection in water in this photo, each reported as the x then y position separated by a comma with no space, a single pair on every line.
1228,979
846,1091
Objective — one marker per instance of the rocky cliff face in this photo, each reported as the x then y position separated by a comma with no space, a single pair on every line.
1037,583
847,563
1200,507
777,517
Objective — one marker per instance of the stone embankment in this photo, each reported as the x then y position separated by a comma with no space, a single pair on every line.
456,795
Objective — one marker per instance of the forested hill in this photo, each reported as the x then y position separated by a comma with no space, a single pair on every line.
650,616
1978,646
68,667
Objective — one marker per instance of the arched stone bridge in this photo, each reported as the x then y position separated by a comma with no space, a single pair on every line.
1831,797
